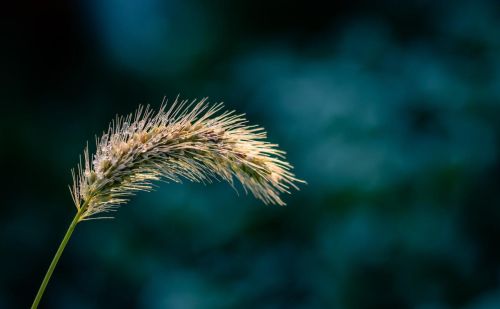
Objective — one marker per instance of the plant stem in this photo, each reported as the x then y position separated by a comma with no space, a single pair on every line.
53,264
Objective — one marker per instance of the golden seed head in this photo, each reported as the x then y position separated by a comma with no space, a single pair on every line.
144,137
197,143
104,165
124,147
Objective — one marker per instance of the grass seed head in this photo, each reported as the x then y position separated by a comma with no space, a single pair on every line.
190,140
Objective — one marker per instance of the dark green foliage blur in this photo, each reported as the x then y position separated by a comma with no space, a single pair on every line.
390,110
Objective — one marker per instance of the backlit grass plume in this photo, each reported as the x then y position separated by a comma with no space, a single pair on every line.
189,140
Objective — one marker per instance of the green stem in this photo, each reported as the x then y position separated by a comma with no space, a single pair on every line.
53,264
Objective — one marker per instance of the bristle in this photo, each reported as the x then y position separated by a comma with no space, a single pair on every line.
186,141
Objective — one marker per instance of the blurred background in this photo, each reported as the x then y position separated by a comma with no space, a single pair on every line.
389,109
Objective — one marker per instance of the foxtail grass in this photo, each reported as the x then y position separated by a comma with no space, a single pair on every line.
190,140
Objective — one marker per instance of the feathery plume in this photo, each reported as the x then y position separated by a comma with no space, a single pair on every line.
189,140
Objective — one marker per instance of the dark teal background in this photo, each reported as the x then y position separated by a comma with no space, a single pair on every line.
389,109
